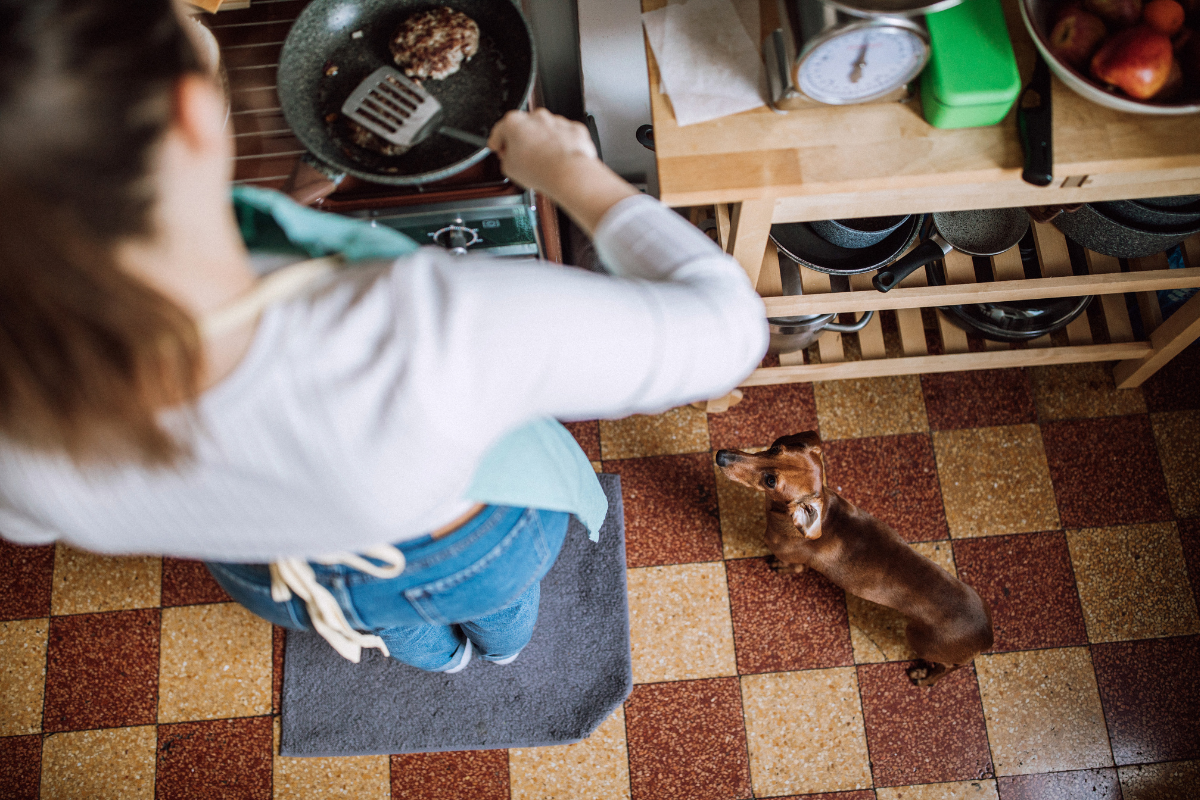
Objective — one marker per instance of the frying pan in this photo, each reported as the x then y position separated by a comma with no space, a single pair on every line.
1013,320
976,233
800,243
324,58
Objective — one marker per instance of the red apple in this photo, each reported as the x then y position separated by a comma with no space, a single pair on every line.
1121,13
1137,60
1076,37
1165,16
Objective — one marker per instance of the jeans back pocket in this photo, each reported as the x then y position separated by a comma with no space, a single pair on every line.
490,583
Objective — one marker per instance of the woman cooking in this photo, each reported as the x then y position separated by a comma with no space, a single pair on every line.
363,450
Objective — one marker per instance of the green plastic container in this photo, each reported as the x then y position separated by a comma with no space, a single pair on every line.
971,78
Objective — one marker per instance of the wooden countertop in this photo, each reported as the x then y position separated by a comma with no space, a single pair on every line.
865,160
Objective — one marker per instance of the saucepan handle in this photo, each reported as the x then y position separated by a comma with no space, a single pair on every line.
311,180
926,252
851,327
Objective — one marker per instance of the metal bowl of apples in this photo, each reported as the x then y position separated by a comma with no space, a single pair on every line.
1139,56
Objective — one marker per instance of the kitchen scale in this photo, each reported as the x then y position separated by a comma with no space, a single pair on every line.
842,52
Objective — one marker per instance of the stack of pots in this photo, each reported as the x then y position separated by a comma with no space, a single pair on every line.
1132,228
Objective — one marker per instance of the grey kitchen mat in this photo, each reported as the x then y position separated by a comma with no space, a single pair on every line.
573,673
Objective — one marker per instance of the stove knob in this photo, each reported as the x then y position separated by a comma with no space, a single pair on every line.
457,238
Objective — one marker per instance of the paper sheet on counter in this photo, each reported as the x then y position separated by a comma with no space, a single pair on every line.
709,64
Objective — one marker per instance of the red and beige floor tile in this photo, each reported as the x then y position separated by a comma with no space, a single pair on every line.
1133,582
995,481
1069,505
870,407
1094,784
1151,698
687,739
788,714
681,430
216,663
679,623
764,414
85,583
895,478
1177,434
1043,711
594,769
671,514
978,399
1028,582
1071,391
953,790
1106,471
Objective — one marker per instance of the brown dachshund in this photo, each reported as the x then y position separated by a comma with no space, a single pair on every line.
809,525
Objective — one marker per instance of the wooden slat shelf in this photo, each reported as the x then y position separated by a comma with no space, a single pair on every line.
865,354
1021,289
951,362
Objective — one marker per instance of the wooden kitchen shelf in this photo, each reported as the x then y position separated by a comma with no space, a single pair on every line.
1104,333
760,167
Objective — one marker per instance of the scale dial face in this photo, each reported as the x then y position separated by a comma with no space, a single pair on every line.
861,62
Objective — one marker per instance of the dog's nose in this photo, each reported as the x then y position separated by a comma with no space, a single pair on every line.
725,458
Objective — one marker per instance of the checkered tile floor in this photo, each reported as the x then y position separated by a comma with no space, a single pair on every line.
1071,507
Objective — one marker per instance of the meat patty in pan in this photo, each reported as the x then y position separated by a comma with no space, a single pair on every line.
435,43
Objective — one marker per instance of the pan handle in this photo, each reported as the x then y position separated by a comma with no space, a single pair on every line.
311,180
1033,124
850,327
926,252
645,136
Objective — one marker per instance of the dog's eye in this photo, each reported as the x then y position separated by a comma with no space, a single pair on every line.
769,480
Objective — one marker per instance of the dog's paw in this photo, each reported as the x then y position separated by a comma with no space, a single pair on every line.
786,568
922,673
919,673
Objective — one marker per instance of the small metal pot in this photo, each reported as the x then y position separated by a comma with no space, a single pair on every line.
789,334
856,233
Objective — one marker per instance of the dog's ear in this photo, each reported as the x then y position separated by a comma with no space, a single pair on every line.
807,517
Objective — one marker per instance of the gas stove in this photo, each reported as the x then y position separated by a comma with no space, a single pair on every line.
478,209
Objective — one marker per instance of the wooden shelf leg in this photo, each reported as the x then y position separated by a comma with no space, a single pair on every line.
1177,332
720,404
721,211
749,229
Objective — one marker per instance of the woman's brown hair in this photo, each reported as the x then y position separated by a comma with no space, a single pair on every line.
89,355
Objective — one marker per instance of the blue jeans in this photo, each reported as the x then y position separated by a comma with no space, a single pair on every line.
482,582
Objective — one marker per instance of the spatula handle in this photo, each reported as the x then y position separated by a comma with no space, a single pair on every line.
463,136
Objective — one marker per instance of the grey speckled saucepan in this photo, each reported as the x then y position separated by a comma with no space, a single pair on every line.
986,232
1096,231
334,44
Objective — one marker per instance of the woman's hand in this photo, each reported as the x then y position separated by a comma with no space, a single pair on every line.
555,156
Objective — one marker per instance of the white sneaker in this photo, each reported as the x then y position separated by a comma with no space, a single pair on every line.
466,659
508,660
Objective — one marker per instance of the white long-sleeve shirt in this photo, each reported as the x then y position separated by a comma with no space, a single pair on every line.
361,410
